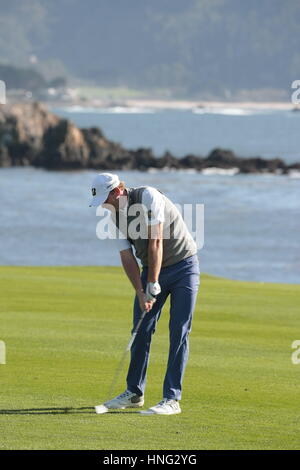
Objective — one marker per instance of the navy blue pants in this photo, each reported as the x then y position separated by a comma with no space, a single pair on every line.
181,281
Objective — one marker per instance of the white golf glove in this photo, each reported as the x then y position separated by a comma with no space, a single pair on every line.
152,290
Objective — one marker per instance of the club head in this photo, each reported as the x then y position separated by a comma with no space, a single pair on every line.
100,409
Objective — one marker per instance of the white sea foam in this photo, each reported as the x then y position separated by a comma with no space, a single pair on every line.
129,110
108,110
231,111
189,171
220,171
295,174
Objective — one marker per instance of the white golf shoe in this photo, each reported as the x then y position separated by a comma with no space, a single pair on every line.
125,400
164,407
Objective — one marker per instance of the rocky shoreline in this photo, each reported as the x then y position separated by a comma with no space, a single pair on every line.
30,135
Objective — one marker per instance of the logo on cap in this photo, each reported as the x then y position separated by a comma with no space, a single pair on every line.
94,191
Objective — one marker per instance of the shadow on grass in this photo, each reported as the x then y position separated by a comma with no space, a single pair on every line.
59,411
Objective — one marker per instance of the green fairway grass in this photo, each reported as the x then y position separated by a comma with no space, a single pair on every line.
65,329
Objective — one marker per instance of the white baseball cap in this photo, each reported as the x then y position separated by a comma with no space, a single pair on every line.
102,184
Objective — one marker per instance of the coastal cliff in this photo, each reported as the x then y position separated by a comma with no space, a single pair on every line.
31,135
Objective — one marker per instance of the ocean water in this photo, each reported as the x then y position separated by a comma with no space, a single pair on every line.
249,133
251,222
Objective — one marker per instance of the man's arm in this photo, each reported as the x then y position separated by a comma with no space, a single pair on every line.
131,268
155,251
133,273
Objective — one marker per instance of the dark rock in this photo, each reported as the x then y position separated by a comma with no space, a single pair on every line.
192,162
104,154
260,165
167,161
5,160
64,147
144,159
22,129
221,158
294,166
31,135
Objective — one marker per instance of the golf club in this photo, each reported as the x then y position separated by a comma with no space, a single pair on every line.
100,409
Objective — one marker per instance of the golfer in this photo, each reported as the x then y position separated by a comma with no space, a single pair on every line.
170,266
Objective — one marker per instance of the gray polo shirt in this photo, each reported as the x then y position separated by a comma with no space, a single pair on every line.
178,243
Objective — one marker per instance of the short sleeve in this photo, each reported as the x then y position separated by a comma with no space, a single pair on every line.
117,238
154,201
122,244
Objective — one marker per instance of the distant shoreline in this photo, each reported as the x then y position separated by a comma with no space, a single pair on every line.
180,104
177,104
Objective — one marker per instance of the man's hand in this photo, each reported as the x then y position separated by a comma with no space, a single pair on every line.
152,290
145,304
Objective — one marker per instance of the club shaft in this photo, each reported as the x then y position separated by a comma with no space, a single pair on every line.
120,366
136,330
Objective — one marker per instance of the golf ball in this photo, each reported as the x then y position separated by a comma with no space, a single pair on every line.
100,409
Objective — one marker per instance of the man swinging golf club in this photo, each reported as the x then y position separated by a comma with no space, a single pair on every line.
170,266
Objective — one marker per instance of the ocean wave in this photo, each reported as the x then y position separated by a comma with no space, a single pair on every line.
166,169
232,111
295,174
220,171
108,110
192,171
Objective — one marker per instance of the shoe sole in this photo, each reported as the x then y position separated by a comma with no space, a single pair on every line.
148,413
133,405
